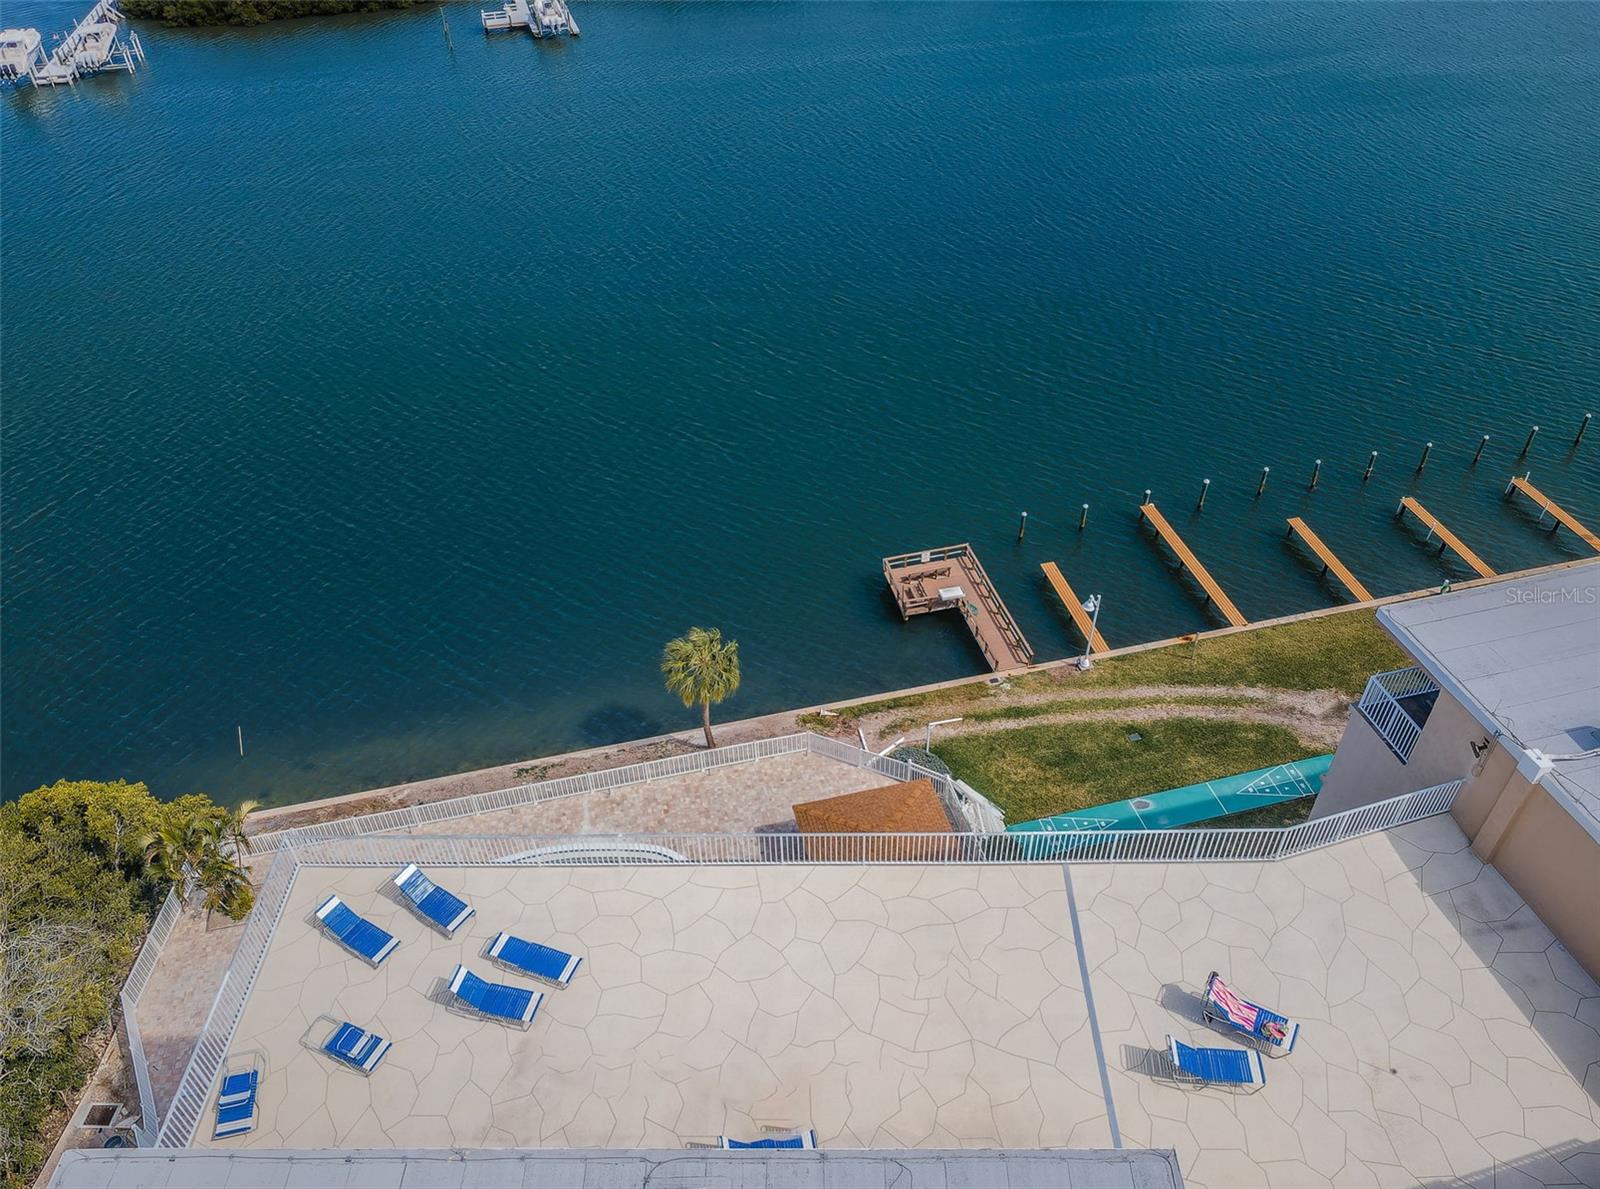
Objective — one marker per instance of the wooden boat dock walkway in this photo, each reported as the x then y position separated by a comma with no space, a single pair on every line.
1330,561
1058,582
1546,504
953,579
1192,564
1448,538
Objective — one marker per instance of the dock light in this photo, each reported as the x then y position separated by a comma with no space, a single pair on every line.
927,739
1092,606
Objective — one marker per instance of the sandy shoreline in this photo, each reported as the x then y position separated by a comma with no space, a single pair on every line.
635,751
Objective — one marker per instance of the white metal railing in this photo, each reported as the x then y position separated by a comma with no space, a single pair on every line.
143,966
194,1089
416,816
1381,706
382,850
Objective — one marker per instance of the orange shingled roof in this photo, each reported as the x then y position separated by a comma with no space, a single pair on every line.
909,808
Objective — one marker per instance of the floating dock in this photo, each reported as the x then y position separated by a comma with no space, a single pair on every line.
95,44
542,18
1191,563
1058,582
1330,562
1547,505
1447,538
953,579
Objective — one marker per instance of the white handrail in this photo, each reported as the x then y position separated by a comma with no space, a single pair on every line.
132,990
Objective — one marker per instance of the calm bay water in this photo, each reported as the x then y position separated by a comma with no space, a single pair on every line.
396,404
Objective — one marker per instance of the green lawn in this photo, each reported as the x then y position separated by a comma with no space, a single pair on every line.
1036,771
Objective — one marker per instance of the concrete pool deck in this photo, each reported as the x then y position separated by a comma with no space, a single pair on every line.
917,1006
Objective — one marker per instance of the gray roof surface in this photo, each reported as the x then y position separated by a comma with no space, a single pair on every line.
1056,1168
1524,656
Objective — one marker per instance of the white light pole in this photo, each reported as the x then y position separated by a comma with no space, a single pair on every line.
927,741
1092,606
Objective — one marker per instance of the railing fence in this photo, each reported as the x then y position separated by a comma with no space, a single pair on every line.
1380,705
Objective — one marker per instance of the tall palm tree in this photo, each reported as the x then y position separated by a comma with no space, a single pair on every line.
224,885
701,667
230,827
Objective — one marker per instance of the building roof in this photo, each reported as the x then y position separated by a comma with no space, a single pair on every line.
1060,1168
1523,656
912,807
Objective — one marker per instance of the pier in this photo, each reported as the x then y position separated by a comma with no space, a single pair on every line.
1058,582
1330,561
1208,584
542,18
953,579
95,44
1547,505
1446,537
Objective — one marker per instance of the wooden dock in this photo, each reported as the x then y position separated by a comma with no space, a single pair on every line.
1192,563
953,579
1330,561
1058,582
1560,514
1448,538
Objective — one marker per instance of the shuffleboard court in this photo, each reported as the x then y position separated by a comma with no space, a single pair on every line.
1193,802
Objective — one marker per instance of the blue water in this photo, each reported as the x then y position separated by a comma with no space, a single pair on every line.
397,404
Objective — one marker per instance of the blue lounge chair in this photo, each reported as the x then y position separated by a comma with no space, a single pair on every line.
531,958
432,902
497,1001
361,937
1223,1067
1223,1006
356,1048
801,1139
236,1104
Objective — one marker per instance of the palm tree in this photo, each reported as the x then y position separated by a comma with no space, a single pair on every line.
178,849
225,885
701,667
230,827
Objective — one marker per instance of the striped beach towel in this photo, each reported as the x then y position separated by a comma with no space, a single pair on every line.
1243,1015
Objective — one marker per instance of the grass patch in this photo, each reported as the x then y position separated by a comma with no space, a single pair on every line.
1268,817
1039,770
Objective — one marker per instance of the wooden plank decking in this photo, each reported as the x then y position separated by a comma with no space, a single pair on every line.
1058,582
1561,515
1192,564
953,579
1329,560
1407,504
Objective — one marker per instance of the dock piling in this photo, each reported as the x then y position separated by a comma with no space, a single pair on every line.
1083,518
1372,461
1582,428
1262,486
1146,499
1526,446
1022,527
1478,453
1205,487
1423,461
1316,474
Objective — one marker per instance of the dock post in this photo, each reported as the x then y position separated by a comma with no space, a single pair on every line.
1205,487
1478,453
1372,461
1316,473
1022,527
1526,446
1423,461
1582,428
1262,486
1146,497
1083,518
